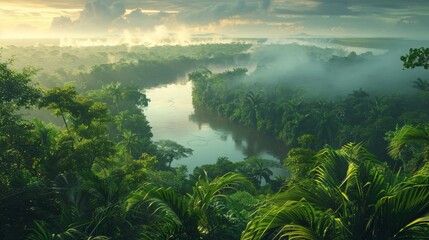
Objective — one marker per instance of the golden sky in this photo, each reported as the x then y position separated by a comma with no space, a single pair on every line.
257,18
34,18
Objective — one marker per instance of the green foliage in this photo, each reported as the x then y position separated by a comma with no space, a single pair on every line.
16,87
293,221
408,134
416,57
242,204
20,155
287,113
299,162
351,196
71,184
222,166
79,110
422,85
40,232
168,150
199,215
98,178
307,140
175,178
257,168
405,140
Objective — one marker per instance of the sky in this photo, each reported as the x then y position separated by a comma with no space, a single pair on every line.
228,18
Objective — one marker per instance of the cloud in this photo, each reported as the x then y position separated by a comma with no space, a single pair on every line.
332,71
413,24
346,7
393,4
61,23
100,16
318,17
265,4
137,19
96,17
320,7
222,10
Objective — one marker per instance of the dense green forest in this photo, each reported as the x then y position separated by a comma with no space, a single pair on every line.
91,169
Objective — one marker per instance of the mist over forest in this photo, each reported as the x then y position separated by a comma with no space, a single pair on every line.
185,120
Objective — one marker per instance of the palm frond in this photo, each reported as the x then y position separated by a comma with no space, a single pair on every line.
331,169
205,192
160,201
357,153
407,134
293,220
401,213
319,196
41,232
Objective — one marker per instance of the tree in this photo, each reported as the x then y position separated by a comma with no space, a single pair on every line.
168,150
198,215
351,196
16,87
356,106
253,103
408,135
89,207
135,123
115,91
292,119
20,154
416,57
86,140
326,122
299,162
121,97
130,146
257,168
421,84
222,166
60,101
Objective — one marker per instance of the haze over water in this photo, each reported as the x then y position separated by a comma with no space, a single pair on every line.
171,115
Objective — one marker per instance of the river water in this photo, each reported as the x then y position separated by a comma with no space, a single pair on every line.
172,116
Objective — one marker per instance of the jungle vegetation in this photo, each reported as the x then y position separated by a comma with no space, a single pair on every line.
359,162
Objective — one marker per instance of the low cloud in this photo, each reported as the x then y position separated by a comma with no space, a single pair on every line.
137,19
218,11
96,17
333,71
347,7
101,16
317,17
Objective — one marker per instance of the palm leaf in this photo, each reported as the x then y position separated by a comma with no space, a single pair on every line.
41,232
161,201
331,169
400,214
205,192
184,217
407,134
293,220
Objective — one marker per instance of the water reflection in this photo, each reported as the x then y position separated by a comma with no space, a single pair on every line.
247,140
172,116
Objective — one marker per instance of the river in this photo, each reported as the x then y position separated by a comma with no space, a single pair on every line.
172,116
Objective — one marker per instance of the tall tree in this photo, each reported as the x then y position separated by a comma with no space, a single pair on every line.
168,150
20,173
257,168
